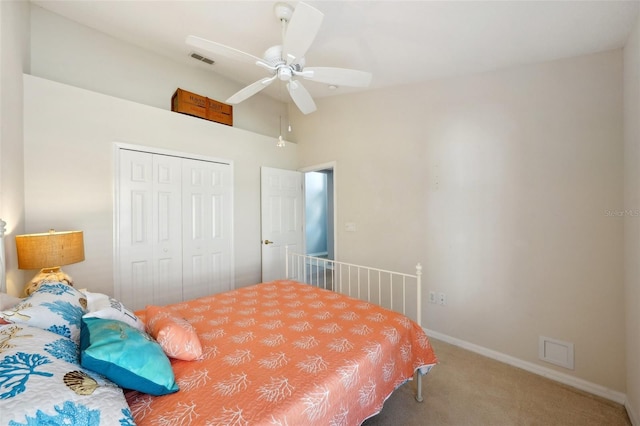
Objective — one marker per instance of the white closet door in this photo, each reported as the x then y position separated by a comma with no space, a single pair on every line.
207,227
149,229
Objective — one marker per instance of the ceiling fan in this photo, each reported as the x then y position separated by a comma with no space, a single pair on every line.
286,62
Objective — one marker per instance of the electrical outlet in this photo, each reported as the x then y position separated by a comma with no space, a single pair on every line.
442,299
432,297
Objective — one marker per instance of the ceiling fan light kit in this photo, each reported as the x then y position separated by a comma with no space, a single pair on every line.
286,62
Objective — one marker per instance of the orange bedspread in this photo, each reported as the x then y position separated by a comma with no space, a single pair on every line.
286,353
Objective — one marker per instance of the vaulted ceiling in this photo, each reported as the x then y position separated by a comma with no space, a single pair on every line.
398,41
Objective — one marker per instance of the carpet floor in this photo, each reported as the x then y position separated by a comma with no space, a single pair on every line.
467,389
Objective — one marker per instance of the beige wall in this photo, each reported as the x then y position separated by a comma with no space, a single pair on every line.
69,137
14,45
500,184
631,221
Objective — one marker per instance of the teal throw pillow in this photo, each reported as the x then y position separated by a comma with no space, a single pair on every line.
126,355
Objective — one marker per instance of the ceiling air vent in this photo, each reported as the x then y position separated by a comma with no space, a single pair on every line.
202,58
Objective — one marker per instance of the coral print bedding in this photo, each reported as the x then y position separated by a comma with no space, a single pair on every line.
41,379
41,383
286,353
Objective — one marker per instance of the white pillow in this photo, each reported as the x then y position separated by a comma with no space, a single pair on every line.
102,306
8,301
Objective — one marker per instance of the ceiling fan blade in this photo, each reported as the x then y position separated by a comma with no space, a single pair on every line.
301,97
301,31
250,90
338,76
220,49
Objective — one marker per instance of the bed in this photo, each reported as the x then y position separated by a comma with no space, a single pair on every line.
316,348
287,353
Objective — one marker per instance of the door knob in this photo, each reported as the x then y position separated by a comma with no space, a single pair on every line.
268,242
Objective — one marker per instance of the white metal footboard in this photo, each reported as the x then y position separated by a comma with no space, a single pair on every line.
396,291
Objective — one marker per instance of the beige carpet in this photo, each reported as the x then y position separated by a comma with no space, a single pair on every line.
467,389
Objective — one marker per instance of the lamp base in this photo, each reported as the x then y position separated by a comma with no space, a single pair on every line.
47,275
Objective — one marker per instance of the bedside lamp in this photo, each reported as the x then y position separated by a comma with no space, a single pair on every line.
48,252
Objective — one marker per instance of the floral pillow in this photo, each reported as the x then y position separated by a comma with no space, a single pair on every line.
42,383
56,307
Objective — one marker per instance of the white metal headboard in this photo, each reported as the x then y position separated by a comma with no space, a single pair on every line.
374,285
3,269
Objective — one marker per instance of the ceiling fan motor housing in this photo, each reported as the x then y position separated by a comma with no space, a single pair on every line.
273,56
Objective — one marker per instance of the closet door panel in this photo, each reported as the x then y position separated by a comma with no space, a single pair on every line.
167,217
135,248
221,227
207,228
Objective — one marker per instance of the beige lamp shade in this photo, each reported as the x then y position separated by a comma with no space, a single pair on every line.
50,249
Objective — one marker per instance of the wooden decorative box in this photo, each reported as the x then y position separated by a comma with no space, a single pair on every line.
200,106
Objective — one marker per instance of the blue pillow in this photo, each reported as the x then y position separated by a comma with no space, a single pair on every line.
126,355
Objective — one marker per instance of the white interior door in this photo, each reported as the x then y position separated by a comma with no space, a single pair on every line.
282,223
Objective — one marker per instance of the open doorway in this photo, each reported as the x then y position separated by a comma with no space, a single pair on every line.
320,212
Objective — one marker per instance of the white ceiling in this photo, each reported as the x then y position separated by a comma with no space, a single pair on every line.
398,41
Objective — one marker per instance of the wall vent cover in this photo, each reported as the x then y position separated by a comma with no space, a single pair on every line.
556,352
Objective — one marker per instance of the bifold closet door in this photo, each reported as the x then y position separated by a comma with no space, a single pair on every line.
207,227
174,232
150,231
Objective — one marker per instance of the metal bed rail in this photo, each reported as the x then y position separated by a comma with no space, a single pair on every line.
396,291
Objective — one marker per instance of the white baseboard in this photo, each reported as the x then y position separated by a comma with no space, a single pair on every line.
563,378
631,413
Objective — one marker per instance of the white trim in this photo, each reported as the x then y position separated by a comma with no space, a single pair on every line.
153,150
631,413
563,378
3,269
333,165
318,167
